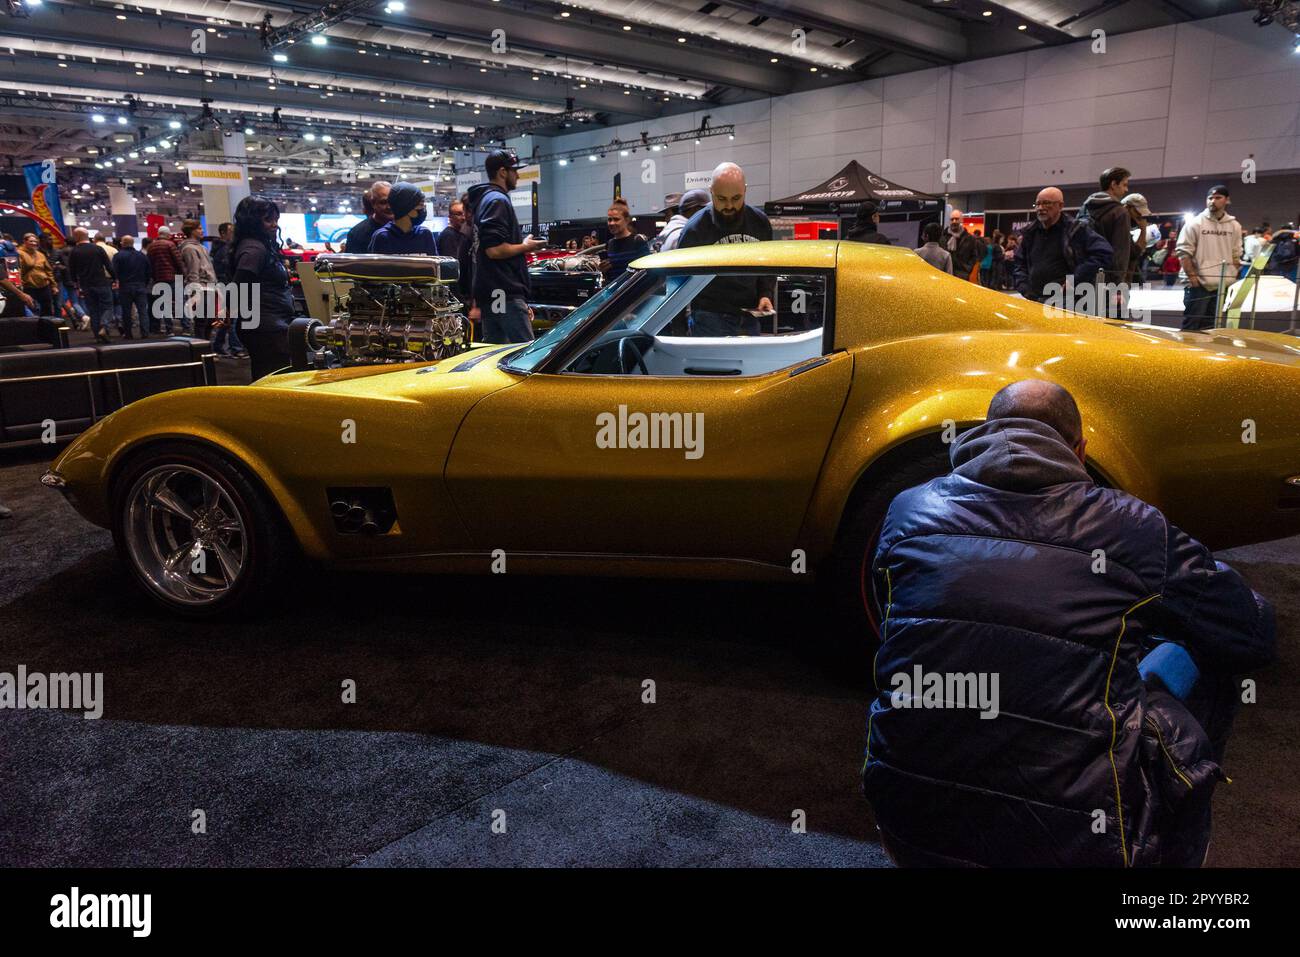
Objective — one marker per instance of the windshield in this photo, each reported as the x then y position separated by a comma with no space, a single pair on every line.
526,360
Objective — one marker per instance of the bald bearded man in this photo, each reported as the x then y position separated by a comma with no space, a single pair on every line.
721,308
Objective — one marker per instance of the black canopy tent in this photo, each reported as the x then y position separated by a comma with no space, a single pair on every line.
840,196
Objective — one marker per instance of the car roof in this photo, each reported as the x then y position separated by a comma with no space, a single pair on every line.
786,254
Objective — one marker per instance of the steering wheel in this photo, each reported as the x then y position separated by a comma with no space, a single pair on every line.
623,345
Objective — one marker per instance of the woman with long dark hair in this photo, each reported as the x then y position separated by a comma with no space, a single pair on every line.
257,268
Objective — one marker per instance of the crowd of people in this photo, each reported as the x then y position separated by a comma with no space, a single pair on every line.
105,283
1114,239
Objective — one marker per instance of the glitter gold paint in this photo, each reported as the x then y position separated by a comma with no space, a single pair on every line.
482,458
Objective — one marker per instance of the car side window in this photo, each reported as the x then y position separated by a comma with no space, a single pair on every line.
714,324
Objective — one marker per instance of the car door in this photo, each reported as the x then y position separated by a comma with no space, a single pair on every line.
556,464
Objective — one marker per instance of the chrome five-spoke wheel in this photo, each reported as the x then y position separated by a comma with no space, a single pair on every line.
185,535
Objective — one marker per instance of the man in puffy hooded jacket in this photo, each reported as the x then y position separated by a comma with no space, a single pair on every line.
1056,676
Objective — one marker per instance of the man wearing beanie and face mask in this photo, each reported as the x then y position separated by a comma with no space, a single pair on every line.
1209,247
405,235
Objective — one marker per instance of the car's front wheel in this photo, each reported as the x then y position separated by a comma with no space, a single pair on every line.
199,535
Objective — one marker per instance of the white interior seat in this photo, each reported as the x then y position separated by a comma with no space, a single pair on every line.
734,355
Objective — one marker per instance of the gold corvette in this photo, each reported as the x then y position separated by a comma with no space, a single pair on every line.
617,444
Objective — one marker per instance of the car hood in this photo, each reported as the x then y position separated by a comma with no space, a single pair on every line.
476,368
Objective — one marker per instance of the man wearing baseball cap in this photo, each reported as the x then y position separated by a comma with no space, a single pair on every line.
688,204
1144,236
500,270
1209,248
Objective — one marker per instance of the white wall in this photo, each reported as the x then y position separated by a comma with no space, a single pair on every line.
1177,101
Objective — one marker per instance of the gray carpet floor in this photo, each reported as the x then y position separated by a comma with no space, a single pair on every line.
479,701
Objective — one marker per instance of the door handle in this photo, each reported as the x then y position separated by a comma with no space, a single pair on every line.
809,365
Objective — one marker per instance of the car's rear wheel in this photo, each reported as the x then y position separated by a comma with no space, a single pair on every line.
199,535
861,609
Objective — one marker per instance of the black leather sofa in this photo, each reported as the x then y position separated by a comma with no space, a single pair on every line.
32,335
75,387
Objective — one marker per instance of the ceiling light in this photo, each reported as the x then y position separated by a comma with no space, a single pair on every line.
97,117
395,6
327,138
248,131
988,13
592,157
281,58
121,121
564,162
627,26
309,136
565,13
774,59
622,152
318,40
1022,27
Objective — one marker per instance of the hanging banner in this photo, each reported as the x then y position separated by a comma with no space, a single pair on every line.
216,174
618,185
530,174
698,180
41,181
57,234
465,180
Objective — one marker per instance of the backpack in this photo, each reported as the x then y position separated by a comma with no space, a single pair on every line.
1286,250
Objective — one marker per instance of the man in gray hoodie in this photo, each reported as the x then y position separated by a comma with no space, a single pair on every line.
690,203
1209,248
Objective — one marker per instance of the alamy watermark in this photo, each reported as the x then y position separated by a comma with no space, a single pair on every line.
1110,299
946,689
651,430
233,301
75,691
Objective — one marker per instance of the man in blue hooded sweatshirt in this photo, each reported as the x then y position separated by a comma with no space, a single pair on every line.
1057,674
405,235
500,249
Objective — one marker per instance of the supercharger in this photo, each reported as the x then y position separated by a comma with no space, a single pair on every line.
388,309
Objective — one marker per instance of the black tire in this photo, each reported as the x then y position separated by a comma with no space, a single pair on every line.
850,577
268,549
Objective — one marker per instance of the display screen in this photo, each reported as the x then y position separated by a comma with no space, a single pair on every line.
329,227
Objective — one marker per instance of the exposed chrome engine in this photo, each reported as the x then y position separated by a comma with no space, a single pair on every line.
397,309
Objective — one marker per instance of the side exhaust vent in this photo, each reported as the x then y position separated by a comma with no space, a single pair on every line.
362,511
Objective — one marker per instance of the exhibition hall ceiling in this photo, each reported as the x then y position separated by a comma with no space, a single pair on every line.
316,88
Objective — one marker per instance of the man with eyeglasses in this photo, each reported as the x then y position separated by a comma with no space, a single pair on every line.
1054,247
